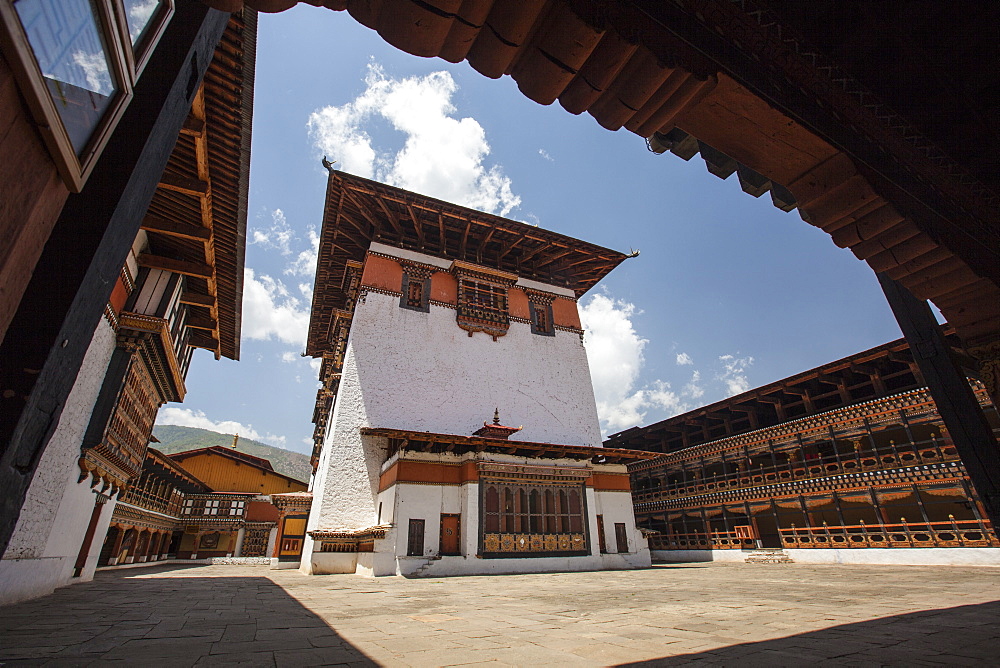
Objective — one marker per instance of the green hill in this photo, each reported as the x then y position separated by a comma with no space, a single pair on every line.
175,439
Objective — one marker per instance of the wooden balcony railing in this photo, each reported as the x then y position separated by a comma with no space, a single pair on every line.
716,540
904,455
149,501
950,533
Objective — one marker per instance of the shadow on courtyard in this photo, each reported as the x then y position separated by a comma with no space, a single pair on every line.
176,619
965,636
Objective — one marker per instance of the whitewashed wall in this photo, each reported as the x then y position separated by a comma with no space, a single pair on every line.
57,509
406,369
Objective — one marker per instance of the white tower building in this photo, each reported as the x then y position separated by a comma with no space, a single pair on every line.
431,319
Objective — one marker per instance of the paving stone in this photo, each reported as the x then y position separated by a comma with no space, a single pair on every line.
705,614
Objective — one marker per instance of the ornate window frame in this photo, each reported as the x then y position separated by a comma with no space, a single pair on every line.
530,511
416,287
540,311
482,298
124,64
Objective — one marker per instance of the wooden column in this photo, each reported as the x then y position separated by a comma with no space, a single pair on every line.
62,305
88,537
955,400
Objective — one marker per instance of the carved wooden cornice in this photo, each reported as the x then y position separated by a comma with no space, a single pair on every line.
846,420
930,473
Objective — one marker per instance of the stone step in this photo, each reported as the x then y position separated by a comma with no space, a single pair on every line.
769,556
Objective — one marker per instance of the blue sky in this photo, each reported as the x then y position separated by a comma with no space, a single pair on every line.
728,293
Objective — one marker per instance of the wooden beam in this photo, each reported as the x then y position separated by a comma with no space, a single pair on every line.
185,267
193,127
185,185
417,225
962,415
203,340
175,229
197,299
201,322
391,217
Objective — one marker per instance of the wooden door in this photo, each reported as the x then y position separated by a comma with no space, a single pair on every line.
293,534
415,539
451,534
601,541
621,537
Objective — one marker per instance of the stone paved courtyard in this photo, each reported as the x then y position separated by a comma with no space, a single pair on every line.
710,614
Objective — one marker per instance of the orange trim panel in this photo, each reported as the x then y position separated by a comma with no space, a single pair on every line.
565,313
428,473
382,273
610,482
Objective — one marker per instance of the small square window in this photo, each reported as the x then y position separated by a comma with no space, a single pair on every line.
541,319
416,293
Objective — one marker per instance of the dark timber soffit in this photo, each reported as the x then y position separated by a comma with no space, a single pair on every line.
359,211
202,232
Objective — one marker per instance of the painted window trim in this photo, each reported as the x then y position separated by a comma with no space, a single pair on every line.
534,310
425,295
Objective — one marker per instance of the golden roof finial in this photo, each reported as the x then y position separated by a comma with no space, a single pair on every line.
496,415
236,437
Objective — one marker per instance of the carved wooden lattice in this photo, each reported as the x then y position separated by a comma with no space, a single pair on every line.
255,541
545,519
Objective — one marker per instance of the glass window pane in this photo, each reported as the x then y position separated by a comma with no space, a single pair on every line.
138,16
71,53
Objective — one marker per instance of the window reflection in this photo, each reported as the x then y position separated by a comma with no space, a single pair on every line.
72,57
138,14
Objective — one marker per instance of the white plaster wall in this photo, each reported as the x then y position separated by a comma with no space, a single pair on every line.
421,371
897,556
617,507
57,509
406,369
428,503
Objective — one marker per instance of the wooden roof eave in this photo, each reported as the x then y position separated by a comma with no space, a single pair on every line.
358,211
429,442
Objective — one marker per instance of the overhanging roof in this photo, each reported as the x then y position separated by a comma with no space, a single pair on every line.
196,222
870,116
359,211
423,441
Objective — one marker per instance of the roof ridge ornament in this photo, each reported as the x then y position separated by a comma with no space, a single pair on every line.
496,430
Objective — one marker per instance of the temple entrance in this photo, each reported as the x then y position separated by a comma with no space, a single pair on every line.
767,530
451,534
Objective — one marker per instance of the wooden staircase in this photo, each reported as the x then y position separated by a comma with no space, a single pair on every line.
769,555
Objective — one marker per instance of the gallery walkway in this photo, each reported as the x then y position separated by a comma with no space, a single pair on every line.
711,614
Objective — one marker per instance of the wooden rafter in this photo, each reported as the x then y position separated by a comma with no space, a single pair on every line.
159,225
184,185
198,269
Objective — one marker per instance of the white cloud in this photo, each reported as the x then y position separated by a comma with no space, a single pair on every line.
734,374
94,67
684,359
139,14
304,263
277,236
615,354
692,388
442,156
545,154
270,312
186,417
